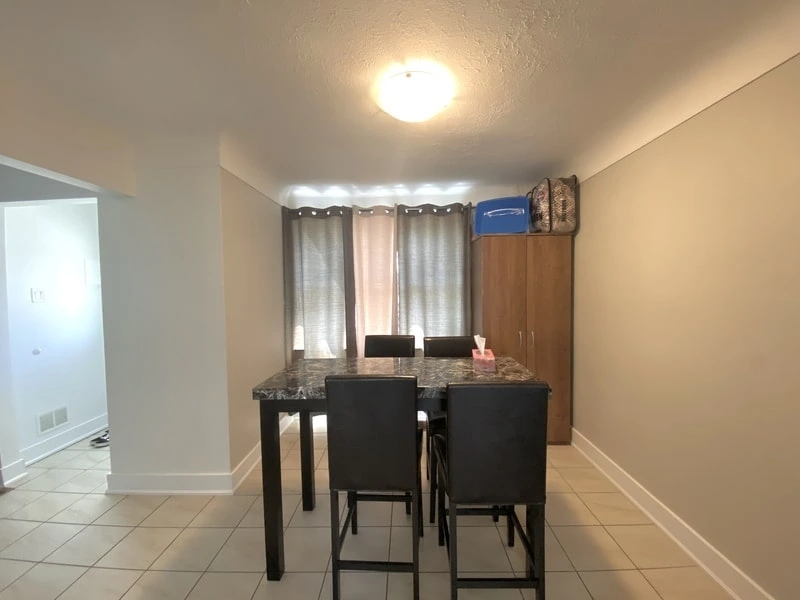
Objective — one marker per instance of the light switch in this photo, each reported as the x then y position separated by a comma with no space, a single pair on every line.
37,295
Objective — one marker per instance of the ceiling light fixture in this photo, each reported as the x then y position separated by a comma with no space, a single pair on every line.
415,92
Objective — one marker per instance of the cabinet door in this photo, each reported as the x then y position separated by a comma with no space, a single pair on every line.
549,334
504,295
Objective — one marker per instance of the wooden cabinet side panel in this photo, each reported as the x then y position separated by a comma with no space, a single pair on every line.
549,289
504,295
476,286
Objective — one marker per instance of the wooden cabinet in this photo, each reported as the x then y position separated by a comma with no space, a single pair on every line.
522,304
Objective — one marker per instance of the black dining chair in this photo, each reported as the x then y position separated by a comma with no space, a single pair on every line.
449,346
373,454
390,346
493,457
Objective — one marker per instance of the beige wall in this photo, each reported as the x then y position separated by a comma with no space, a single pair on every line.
253,272
35,129
687,323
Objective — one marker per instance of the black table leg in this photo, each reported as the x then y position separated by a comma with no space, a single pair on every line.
534,525
271,476
307,460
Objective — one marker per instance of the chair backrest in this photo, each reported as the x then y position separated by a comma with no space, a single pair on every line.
388,346
449,346
497,443
372,432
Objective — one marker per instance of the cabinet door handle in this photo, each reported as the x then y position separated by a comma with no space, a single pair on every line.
533,349
520,338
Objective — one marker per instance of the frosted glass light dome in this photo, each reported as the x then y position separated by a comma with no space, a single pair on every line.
415,94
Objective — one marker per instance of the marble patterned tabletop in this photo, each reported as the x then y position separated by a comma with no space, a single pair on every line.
305,379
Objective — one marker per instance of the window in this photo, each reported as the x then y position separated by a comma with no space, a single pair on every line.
382,270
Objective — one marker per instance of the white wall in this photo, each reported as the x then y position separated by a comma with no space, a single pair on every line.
687,327
56,346
252,250
11,463
164,317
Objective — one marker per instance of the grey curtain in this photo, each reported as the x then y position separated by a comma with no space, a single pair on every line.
433,270
319,289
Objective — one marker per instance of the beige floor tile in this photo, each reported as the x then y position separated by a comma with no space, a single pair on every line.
685,583
252,485
587,480
371,543
432,557
562,457
101,584
193,550
49,481
40,542
567,509
103,465
42,582
32,473
618,585
614,509
255,515
223,511
399,516
292,459
243,551
59,458
84,460
10,570
11,531
561,586
556,484
177,511
555,559
88,546
481,550
46,507
307,549
162,585
139,549
357,586
319,517
88,509
131,511
649,547
436,586
84,483
292,586
591,548
12,501
231,586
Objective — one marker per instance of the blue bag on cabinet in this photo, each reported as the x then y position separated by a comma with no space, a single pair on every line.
502,215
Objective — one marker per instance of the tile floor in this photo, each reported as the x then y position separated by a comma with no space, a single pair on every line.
62,536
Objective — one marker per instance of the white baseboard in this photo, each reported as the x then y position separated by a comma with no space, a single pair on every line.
218,484
732,578
11,472
64,438
253,458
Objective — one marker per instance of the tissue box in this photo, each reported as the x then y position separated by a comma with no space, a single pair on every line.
483,362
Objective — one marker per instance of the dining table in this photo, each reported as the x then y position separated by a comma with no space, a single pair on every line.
300,389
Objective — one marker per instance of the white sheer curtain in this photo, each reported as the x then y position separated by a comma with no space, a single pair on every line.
374,259
433,270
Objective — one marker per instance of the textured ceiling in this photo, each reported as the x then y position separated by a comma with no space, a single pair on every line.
540,82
